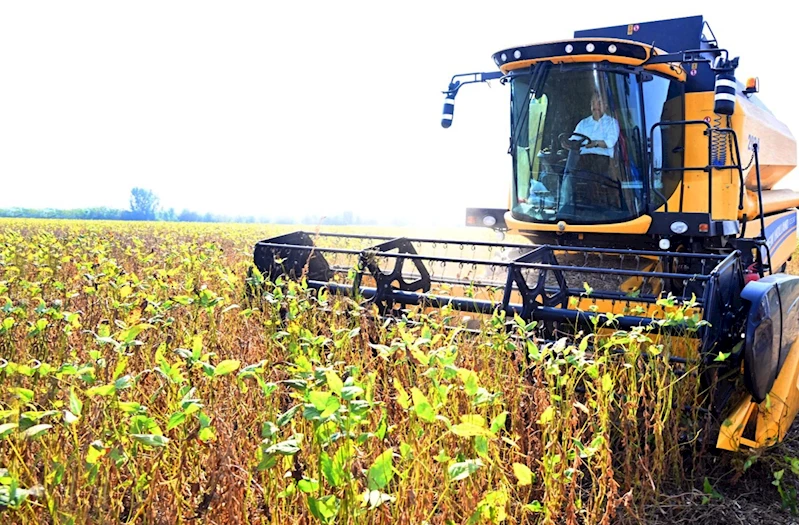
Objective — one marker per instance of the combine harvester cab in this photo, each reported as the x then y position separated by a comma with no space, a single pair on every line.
629,179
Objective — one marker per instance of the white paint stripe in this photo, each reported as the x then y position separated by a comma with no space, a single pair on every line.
447,117
726,83
449,101
725,96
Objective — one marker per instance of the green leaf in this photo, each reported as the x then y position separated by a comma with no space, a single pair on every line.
464,469
470,383
122,363
129,407
548,415
123,382
325,404
422,406
102,390
266,461
332,472
206,434
331,407
535,506
334,382
95,451
6,428
382,426
319,399
335,469
498,423
25,394
36,431
402,396
381,471
150,440
284,448
75,404
481,446
268,430
607,383
227,366
350,392
286,416
470,429
308,486
141,424
324,509
523,474
175,420
130,334
420,356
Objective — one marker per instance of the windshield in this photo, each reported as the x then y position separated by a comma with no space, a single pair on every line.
577,146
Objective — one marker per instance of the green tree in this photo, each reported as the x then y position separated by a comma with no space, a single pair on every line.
143,204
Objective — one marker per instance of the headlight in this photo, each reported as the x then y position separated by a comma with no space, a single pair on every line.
489,221
664,244
679,227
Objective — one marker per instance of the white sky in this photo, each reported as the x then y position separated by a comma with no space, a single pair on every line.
296,107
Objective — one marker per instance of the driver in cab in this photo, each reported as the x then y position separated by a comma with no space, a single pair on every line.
603,132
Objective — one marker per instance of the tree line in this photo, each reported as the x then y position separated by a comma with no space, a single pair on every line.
144,206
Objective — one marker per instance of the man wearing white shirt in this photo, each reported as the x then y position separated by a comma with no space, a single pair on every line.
603,131
593,157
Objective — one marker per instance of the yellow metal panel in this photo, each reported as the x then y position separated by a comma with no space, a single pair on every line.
773,201
674,70
726,182
505,68
774,415
777,150
638,225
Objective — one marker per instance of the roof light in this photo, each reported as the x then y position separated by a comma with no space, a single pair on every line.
590,48
569,48
612,48
517,54
504,57
752,85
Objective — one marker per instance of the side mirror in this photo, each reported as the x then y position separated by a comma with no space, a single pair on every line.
449,106
724,102
455,84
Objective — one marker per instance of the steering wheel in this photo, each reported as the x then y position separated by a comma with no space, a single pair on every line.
574,145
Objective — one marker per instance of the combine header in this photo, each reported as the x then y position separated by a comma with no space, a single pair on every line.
630,181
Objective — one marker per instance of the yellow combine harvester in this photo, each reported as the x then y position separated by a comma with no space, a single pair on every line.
641,169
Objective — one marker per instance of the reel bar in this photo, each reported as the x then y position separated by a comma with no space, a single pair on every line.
542,313
502,264
538,282
486,244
